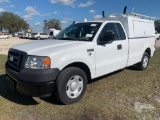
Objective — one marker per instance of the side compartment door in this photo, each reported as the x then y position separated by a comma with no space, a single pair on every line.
108,50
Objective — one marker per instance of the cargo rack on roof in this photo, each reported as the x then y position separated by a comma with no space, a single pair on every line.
142,16
124,15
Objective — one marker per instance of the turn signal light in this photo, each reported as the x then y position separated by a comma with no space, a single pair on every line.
47,62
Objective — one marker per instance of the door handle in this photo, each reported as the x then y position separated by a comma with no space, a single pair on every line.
90,50
119,47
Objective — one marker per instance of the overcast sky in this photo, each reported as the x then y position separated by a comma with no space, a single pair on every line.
67,11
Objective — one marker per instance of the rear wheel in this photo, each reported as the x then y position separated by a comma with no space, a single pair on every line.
144,62
71,85
38,38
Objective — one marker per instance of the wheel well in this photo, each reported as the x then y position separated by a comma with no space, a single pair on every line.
148,50
82,66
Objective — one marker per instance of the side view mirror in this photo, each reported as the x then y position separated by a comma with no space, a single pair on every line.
107,37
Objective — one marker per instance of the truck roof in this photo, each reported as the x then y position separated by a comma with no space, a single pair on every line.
122,18
135,26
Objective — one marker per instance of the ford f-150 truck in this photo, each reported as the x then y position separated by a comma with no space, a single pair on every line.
79,53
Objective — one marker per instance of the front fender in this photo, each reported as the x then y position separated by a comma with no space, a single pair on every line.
62,60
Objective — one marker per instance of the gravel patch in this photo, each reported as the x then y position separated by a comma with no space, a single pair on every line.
154,97
5,44
143,106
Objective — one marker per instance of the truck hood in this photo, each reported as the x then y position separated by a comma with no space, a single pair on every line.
47,47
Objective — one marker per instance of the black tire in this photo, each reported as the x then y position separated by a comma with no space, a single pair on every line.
144,62
63,85
8,37
38,38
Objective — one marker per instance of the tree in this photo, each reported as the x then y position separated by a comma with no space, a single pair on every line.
52,23
12,22
157,25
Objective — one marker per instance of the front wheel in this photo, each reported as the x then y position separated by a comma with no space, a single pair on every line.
144,62
71,85
38,38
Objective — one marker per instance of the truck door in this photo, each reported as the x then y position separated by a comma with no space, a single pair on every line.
109,50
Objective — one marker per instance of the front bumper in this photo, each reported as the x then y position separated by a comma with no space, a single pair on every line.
33,82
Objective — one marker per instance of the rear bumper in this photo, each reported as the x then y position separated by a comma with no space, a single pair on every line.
33,82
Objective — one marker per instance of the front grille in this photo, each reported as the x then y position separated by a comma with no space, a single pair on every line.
16,59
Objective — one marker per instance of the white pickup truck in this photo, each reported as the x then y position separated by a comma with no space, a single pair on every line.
79,53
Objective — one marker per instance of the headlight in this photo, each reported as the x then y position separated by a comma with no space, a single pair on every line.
38,62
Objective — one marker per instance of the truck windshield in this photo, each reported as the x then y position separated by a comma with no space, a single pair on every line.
79,32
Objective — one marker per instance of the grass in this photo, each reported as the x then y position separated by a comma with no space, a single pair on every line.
111,97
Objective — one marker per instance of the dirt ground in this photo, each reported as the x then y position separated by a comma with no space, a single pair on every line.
5,44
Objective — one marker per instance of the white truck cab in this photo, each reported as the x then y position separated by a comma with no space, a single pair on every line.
79,53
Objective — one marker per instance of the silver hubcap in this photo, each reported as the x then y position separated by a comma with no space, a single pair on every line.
145,61
74,86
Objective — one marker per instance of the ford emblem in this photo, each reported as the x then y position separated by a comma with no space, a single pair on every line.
11,58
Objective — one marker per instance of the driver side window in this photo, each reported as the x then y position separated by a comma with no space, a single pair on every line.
109,29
